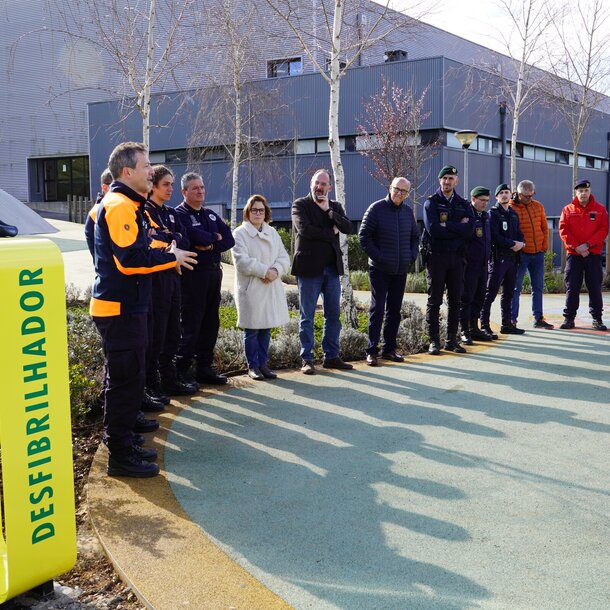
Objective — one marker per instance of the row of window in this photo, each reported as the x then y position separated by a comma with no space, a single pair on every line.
292,66
534,153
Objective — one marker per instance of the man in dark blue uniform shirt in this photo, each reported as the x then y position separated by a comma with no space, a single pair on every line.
477,258
208,236
507,241
448,222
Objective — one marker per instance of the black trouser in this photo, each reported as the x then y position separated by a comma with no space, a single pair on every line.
387,292
444,270
502,272
164,322
124,343
200,321
473,292
589,267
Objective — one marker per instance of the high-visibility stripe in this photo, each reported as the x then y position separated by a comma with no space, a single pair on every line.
104,309
142,270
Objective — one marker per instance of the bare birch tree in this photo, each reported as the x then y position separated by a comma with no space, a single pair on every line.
332,52
145,41
578,73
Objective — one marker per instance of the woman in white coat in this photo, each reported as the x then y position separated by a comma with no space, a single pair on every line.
260,260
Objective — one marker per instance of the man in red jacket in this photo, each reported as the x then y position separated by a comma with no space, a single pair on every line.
583,227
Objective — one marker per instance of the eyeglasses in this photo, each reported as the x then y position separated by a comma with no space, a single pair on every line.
257,210
401,191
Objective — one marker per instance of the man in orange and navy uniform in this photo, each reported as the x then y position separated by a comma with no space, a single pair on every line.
124,262
583,228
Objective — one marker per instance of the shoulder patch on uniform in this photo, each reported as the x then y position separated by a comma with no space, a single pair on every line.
211,216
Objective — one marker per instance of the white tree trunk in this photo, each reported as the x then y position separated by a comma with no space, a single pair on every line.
236,158
148,77
348,303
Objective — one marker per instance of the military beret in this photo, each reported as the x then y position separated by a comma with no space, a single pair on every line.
448,169
502,187
479,191
582,184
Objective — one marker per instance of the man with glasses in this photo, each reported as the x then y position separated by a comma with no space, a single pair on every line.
535,229
389,236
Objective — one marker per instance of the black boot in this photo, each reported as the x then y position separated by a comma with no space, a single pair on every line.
466,334
153,389
490,333
176,384
479,334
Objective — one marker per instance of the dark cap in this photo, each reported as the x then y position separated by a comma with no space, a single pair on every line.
448,169
502,187
582,184
479,191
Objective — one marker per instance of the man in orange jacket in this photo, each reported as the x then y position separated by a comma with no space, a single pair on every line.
534,227
583,228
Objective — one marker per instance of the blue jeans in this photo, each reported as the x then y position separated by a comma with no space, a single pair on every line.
534,265
310,289
256,346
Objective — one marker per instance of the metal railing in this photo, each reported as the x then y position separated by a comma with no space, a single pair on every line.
78,208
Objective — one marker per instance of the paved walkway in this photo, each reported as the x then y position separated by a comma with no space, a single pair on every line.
455,482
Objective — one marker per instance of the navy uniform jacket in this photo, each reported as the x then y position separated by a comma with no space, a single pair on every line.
167,225
479,245
389,236
451,238
316,242
201,227
505,230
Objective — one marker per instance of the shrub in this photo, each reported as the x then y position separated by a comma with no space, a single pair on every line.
416,282
226,299
85,363
285,235
358,260
226,258
292,298
352,344
412,333
229,352
228,316
287,278
360,280
285,348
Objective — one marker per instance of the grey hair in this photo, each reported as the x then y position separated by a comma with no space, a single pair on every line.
184,181
125,155
526,186
106,177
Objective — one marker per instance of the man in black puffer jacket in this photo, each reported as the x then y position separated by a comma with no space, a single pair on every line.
389,236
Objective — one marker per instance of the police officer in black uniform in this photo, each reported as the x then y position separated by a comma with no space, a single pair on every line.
448,222
477,258
208,236
507,241
164,313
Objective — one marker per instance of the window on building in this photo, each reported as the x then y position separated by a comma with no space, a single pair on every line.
484,145
284,67
563,157
156,157
322,145
529,152
540,154
582,161
342,64
452,141
306,147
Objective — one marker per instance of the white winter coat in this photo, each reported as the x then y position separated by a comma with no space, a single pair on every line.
259,305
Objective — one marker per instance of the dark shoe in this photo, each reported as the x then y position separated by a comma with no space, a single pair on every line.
598,324
308,368
466,338
138,439
454,346
174,386
392,356
567,324
480,335
336,363
7,230
145,453
542,323
255,374
508,328
208,374
145,425
372,360
490,333
435,348
130,465
149,405
153,388
267,372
